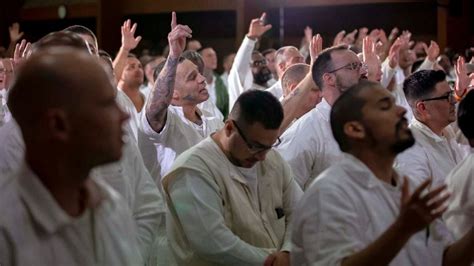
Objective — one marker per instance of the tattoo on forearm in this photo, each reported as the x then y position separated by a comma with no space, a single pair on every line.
161,94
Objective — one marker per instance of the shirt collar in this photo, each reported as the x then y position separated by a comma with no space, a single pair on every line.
41,204
425,130
324,108
361,173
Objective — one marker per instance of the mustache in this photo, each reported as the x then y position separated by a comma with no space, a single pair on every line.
400,123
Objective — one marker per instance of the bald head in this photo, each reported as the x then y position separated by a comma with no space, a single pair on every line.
292,76
285,57
53,78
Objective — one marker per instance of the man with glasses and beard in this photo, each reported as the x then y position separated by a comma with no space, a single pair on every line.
308,145
436,151
360,211
231,196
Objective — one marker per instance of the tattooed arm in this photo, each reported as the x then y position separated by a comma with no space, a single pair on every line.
162,92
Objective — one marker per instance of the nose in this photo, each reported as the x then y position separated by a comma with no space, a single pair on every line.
261,155
401,111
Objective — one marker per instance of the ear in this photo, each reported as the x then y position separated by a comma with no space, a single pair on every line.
354,130
421,109
58,124
329,79
228,127
281,66
176,96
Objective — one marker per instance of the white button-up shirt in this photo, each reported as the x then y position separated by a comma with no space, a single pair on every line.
460,215
346,209
159,150
127,106
309,146
129,177
431,156
35,230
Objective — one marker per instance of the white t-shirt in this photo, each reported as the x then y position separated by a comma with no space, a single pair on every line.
159,150
276,90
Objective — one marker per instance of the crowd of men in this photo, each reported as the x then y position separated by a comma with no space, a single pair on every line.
360,153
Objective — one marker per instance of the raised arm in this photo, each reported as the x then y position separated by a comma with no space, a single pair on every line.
129,42
162,92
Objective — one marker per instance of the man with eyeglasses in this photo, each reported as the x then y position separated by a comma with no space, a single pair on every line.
231,196
436,151
308,145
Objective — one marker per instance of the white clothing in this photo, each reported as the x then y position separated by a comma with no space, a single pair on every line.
460,215
346,209
35,230
128,107
388,73
211,89
210,201
431,156
159,150
309,146
276,90
128,177
209,109
5,114
240,76
145,89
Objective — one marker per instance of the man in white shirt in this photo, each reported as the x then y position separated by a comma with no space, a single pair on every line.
250,70
227,65
231,196
308,145
285,57
436,151
128,176
172,122
131,80
360,211
54,213
459,216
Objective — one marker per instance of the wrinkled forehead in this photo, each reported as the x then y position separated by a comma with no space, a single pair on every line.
133,61
185,68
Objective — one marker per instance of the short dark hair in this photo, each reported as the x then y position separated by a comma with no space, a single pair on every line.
60,38
258,106
268,51
194,57
422,83
466,115
348,107
323,63
79,29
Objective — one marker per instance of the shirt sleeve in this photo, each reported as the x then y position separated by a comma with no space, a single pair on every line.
413,163
291,196
387,74
200,211
240,76
146,128
326,229
6,249
426,65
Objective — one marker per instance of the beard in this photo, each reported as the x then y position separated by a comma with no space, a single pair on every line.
262,76
402,144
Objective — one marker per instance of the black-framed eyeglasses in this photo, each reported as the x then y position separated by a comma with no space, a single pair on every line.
449,97
351,66
255,148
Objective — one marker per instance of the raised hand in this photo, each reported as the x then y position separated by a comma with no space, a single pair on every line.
15,34
177,37
308,34
463,81
370,58
129,41
432,51
21,52
393,34
339,37
350,38
315,47
418,211
360,37
257,27
394,53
